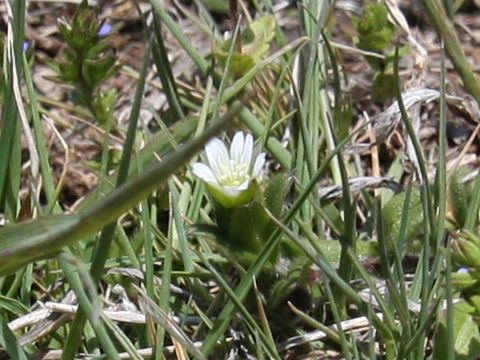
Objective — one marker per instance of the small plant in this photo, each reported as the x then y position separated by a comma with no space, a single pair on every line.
239,198
88,61
466,253
376,34
250,48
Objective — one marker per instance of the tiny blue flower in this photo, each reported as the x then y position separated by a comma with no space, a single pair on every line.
105,29
463,270
26,46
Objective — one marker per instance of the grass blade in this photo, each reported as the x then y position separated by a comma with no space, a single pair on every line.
26,242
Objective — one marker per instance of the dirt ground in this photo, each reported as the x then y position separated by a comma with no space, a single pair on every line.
80,145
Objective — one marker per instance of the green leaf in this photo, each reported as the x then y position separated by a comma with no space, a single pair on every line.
96,49
103,105
467,335
392,214
96,71
68,72
466,249
458,198
12,305
9,342
375,30
247,227
23,243
255,43
343,117
219,6
257,37
275,193
383,86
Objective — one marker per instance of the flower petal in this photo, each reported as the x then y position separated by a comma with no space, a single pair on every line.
244,185
203,172
259,162
247,150
236,148
232,192
217,155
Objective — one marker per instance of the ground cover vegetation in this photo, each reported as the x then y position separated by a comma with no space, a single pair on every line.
214,179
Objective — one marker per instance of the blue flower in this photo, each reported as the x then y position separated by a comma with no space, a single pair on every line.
105,29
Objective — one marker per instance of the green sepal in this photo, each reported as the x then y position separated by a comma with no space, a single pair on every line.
96,49
103,105
466,249
98,70
228,201
69,72
475,302
463,281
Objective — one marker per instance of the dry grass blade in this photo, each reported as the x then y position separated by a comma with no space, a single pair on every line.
163,319
357,184
352,325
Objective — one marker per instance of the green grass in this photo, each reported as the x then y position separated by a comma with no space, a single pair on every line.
155,231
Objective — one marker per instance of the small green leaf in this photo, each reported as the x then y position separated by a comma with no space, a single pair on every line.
9,342
383,86
457,198
103,105
392,214
467,335
95,50
275,193
466,249
12,305
375,30
98,70
255,43
465,280
68,72
343,117
218,6
247,226
257,37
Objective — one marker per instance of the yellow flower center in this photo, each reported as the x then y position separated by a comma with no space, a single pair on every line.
233,174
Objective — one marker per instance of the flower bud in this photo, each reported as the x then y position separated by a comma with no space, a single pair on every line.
466,250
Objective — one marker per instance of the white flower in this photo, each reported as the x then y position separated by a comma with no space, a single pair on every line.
230,173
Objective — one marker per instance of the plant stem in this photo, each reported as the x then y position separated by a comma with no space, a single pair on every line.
444,27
